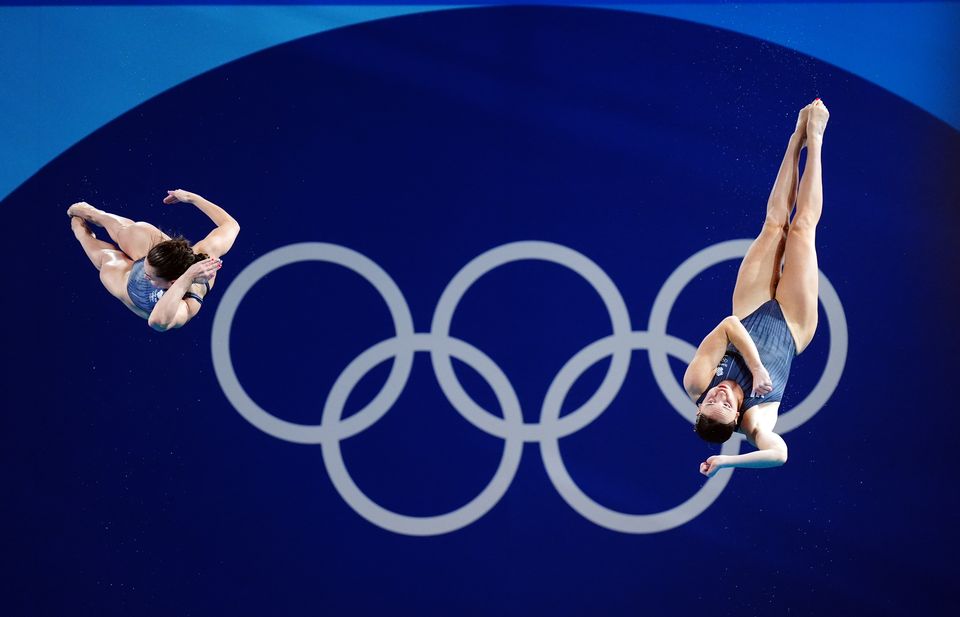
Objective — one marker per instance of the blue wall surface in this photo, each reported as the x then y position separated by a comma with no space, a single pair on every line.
439,372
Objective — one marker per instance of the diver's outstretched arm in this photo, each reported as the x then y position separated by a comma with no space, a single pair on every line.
772,453
758,427
221,239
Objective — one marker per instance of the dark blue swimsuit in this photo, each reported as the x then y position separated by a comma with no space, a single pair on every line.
768,328
142,292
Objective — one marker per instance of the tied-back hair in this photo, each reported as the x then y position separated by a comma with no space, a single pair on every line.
172,257
714,431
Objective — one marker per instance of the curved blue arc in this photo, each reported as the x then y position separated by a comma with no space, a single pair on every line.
67,71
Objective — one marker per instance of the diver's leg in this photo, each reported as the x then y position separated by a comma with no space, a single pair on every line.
98,251
114,275
113,223
112,263
134,238
798,289
759,271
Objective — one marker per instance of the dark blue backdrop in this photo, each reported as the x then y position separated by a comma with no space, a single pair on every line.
134,487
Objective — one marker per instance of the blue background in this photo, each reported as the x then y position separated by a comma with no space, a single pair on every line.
132,486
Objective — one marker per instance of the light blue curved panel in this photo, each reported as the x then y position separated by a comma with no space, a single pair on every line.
66,71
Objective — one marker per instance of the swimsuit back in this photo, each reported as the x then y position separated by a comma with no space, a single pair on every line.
142,292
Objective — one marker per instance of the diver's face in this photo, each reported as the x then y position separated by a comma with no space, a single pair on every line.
151,274
720,404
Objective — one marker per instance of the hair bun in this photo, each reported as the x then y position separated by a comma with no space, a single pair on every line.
172,257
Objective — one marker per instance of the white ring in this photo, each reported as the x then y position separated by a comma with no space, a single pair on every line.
248,277
573,494
479,505
520,251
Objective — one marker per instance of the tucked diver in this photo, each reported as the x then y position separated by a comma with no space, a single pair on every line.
740,370
161,279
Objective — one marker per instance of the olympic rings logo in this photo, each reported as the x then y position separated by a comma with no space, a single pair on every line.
511,428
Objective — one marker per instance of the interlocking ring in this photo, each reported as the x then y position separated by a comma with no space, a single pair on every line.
619,346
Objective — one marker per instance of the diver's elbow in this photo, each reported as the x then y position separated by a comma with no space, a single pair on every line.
157,325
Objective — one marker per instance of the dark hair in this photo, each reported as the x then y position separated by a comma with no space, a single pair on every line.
171,258
712,430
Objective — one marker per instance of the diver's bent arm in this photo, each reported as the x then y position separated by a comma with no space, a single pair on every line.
709,353
740,338
711,350
171,311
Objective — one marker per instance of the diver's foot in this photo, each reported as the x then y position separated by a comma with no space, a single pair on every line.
801,130
83,210
817,121
80,227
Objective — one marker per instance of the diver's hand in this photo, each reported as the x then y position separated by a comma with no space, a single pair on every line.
762,384
712,465
178,196
203,271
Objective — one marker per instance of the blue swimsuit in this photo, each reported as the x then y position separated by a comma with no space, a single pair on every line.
142,292
768,328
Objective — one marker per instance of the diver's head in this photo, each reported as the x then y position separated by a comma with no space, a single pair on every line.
719,412
167,260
